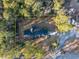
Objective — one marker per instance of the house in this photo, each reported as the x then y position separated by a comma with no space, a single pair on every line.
31,29
39,30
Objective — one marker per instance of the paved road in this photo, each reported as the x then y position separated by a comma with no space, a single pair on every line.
69,56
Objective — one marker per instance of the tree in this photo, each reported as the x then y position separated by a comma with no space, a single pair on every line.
61,19
24,8
30,50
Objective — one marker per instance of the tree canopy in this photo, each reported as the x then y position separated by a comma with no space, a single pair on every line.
14,9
